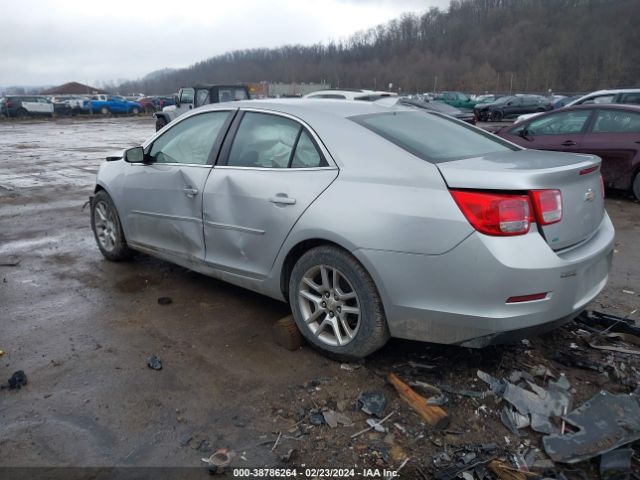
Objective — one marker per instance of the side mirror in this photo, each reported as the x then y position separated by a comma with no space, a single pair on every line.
177,100
135,155
524,133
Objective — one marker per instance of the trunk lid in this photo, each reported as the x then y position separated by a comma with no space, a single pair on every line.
526,170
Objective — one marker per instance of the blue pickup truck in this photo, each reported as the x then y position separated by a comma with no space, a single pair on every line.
106,104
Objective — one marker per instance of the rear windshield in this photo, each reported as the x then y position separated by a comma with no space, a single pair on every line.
431,136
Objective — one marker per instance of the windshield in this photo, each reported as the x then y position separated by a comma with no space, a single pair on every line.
431,136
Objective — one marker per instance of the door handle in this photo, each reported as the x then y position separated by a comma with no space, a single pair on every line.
190,191
282,200
568,143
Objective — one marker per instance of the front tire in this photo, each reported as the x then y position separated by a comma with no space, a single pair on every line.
496,116
135,110
104,111
336,305
107,229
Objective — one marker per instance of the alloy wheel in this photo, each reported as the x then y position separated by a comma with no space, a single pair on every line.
105,225
329,305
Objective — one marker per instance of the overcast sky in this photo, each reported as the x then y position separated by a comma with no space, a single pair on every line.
48,42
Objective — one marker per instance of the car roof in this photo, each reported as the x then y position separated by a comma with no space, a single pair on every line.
307,108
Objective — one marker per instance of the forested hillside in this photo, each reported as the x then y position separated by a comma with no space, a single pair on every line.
474,46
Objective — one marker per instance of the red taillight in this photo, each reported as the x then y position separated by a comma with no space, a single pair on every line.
9,104
495,214
548,206
602,186
527,298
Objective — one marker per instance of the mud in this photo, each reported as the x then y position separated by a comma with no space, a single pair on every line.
83,328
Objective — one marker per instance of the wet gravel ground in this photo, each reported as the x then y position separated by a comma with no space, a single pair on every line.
82,329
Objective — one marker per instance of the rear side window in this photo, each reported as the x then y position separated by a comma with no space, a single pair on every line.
332,96
616,121
608,98
561,123
272,141
431,136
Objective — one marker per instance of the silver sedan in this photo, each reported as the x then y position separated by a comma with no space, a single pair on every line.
371,221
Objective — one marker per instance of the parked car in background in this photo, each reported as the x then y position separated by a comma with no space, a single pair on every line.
189,98
564,101
629,96
511,106
431,105
148,104
610,131
370,221
349,94
486,98
114,104
457,99
21,106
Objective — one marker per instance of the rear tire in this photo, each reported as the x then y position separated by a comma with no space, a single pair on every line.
21,113
496,116
636,186
336,304
160,123
104,111
135,110
107,229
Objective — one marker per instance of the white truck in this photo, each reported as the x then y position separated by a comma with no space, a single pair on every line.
196,96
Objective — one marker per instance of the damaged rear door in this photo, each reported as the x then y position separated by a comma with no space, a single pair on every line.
270,170
163,197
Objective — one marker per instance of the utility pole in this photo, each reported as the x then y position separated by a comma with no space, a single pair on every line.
435,83
511,85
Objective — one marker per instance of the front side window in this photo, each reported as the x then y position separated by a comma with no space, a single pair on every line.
432,137
190,141
616,121
186,96
562,123
272,141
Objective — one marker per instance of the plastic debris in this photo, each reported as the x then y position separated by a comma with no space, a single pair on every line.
154,362
605,422
16,381
333,418
316,417
373,402
164,301
376,425
219,460
616,465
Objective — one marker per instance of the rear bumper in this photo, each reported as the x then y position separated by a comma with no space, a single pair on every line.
460,297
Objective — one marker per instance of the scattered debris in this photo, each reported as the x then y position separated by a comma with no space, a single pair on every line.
611,323
427,387
421,365
434,415
505,472
333,418
16,381
154,362
349,367
376,425
286,333
595,437
220,459
463,392
287,456
357,434
316,417
1,353
539,404
616,465
185,439
164,301
373,402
